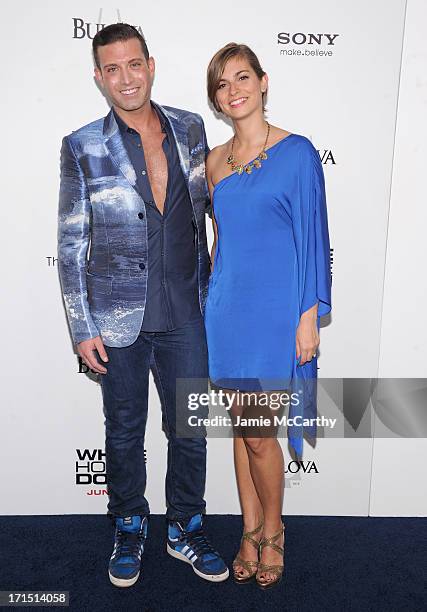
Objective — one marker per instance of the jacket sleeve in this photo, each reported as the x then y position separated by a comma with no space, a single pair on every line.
208,206
311,235
73,241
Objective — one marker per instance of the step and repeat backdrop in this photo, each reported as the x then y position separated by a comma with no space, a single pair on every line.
349,76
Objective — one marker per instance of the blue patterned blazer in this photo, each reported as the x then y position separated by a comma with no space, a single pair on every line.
105,291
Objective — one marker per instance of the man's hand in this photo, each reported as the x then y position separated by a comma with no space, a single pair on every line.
307,337
86,352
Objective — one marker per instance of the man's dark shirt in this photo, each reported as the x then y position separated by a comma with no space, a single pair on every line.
172,289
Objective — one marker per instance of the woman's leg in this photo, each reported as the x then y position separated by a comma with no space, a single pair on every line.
266,474
252,511
267,470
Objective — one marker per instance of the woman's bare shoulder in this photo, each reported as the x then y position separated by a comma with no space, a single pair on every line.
215,160
277,133
218,152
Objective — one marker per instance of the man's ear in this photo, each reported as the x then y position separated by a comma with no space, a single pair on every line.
151,66
98,76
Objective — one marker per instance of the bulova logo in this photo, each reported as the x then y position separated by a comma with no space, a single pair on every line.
294,471
87,29
327,157
300,38
83,368
82,29
307,467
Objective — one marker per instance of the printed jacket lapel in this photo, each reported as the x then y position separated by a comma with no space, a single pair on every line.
181,137
116,148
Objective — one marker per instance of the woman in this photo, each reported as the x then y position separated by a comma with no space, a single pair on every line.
269,285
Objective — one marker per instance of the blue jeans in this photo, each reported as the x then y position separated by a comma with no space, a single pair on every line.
181,353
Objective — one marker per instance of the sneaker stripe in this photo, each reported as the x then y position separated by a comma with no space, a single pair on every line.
125,561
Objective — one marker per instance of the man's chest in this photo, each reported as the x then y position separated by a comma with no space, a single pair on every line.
156,160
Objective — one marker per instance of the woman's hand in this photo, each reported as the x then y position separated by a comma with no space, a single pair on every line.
307,337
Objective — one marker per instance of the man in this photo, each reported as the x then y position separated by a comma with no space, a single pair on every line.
133,184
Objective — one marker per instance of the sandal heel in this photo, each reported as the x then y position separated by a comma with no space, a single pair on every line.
250,566
276,570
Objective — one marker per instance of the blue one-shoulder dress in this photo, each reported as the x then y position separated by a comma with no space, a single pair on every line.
272,263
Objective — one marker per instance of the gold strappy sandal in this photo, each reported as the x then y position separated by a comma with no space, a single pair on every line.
277,570
250,566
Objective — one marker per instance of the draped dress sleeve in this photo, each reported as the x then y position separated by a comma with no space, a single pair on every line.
311,238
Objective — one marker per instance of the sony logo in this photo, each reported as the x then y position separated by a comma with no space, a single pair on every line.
299,38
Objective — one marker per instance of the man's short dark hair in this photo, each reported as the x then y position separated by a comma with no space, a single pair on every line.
114,33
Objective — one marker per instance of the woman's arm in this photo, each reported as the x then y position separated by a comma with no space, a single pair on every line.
307,336
214,242
209,164
310,225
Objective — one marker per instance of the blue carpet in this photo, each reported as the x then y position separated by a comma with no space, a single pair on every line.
332,563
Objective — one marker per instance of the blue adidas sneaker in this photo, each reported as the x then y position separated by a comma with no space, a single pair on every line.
125,562
188,543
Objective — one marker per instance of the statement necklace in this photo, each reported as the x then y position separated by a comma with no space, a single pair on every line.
256,163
